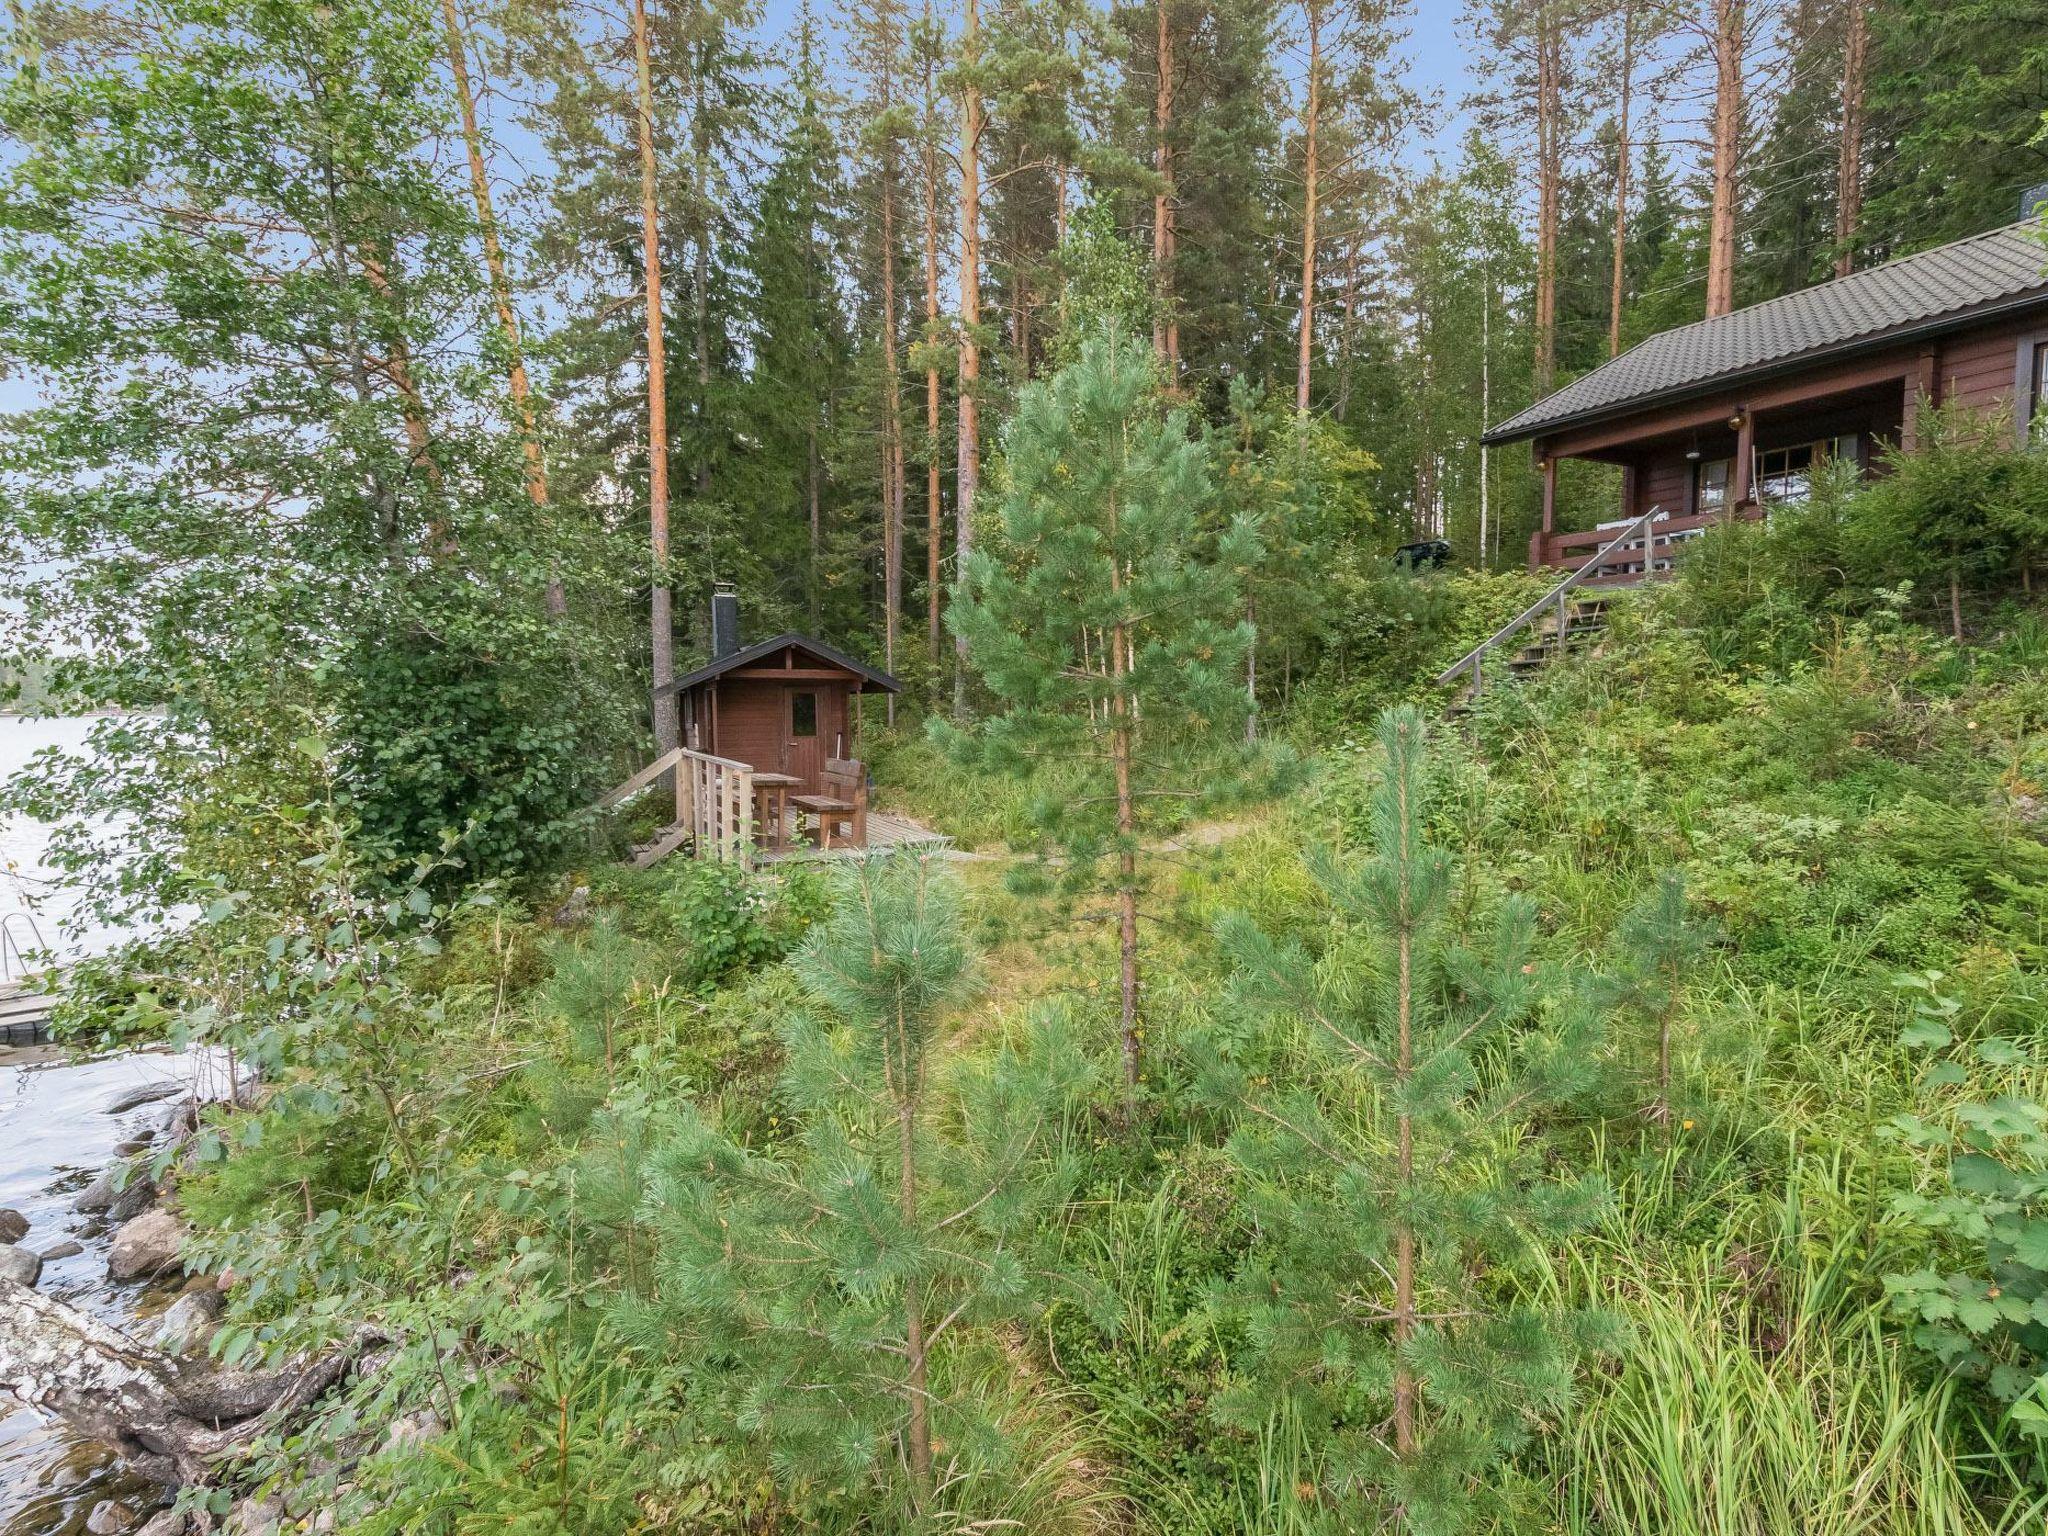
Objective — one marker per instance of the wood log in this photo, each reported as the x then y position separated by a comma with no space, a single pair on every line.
171,1419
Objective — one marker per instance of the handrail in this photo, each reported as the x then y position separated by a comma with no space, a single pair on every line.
642,779
1555,597
10,945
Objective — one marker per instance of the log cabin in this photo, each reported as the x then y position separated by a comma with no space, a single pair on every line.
782,705
1729,416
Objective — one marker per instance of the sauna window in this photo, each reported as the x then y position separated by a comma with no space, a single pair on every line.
803,714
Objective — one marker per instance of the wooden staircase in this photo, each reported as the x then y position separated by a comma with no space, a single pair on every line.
1583,622
1562,617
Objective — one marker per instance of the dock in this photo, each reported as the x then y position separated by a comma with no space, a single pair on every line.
25,1014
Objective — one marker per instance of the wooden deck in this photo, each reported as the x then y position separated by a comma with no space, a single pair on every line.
25,1015
885,830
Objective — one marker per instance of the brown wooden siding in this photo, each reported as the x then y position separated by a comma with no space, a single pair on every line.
1977,370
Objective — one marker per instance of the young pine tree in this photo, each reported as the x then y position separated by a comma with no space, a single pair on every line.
815,1284
1385,1092
1661,942
1105,629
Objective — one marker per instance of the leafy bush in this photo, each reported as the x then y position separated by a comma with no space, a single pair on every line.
1982,1306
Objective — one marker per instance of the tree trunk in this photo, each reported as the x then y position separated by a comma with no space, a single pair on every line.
915,1347
1165,329
1407,1391
1485,406
969,474
1549,175
700,262
1729,41
172,1420
501,286
667,734
892,424
1624,154
814,505
1310,123
1849,168
1347,333
1251,671
932,508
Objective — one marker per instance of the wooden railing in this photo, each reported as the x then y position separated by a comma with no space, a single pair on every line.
714,805
1568,551
715,800
1624,550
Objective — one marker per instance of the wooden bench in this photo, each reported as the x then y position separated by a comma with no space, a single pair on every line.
845,800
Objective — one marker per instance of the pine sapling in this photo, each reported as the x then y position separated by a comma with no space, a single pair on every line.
1661,942
1385,1093
1105,627
815,1283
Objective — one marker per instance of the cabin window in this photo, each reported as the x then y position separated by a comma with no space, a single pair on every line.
1785,475
1711,485
2037,394
803,714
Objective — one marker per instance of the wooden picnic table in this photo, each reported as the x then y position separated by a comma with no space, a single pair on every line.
771,790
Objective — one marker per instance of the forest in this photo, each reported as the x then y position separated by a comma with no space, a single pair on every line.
1284,1092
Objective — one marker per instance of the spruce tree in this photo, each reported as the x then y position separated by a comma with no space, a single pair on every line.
1105,631
1385,1090
814,1285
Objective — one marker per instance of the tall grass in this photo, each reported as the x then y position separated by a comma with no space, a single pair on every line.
1761,1394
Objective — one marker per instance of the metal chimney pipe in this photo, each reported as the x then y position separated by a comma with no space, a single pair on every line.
725,621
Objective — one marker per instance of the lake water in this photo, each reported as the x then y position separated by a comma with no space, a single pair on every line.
55,1137
27,883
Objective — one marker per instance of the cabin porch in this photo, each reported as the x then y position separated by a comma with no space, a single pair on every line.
1698,466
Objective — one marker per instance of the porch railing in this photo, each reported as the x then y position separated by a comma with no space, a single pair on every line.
714,805
1631,549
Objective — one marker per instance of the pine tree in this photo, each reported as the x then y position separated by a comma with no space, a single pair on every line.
814,1283
1661,941
1384,1091
797,338
1105,633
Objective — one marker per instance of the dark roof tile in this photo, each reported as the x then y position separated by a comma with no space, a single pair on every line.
1865,307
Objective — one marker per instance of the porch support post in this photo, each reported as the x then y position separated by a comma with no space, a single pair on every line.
1741,489
1538,544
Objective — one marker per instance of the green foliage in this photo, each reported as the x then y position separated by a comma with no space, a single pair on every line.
1661,944
813,1288
285,504
1104,624
1948,514
1981,1307
1382,1089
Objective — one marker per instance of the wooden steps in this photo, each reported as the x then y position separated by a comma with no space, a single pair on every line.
25,1015
1584,620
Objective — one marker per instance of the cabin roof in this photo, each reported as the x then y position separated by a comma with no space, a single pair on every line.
872,679
1935,290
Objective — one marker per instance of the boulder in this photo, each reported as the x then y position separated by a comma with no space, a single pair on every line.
144,1093
166,1523
136,1196
574,912
70,1248
110,1518
413,1428
20,1265
97,1195
13,1226
145,1246
253,1517
187,1323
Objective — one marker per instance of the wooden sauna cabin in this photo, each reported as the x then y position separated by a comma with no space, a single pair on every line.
783,705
